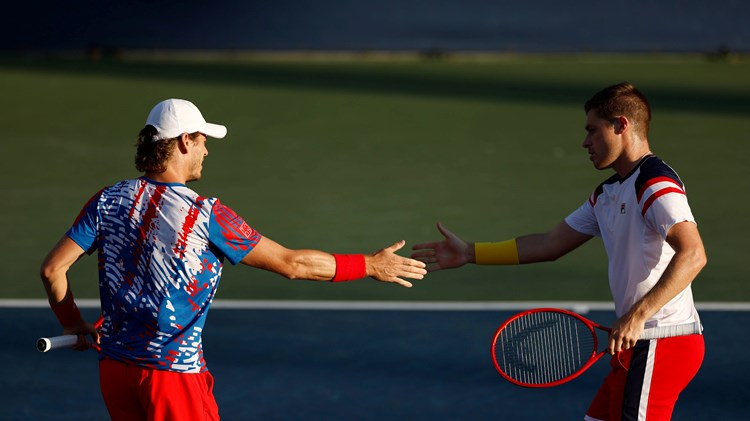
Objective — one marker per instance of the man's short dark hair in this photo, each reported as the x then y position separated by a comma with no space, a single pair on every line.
622,99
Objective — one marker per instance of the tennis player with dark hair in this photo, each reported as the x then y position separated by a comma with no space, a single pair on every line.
655,251
160,247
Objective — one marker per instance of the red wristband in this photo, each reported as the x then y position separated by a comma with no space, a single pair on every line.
67,311
349,267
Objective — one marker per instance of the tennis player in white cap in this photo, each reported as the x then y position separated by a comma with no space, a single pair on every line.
160,247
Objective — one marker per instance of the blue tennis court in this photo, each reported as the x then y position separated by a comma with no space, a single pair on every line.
316,364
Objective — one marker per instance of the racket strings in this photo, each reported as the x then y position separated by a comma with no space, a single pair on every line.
544,347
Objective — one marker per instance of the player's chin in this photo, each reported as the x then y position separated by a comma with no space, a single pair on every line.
599,165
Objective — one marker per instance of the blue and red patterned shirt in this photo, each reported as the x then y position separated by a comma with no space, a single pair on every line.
160,248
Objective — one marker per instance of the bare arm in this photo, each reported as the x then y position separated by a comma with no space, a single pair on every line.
453,252
54,274
688,261
383,265
559,241
54,270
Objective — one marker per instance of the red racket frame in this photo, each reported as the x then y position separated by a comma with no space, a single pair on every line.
595,356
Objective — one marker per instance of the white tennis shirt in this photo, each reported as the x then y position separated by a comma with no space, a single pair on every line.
633,215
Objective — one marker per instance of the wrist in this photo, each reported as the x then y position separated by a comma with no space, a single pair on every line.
66,311
639,313
349,267
501,253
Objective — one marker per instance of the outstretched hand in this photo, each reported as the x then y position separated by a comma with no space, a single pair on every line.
387,266
450,253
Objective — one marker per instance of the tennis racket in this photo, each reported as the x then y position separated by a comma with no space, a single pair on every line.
545,347
63,341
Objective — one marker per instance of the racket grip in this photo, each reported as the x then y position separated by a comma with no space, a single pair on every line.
54,342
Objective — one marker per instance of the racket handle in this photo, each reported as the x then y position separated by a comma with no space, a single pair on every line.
54,342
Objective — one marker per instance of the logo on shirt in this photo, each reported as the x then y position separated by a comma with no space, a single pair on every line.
246,230
622,208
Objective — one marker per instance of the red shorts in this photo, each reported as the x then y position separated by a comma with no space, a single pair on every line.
137,393
645,381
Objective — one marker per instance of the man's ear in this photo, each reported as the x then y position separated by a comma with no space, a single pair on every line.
621,124
182,143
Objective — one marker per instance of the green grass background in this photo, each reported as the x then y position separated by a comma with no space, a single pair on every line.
352,155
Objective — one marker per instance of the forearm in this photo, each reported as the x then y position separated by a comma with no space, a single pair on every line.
320,266
531,248
312,265
61,299
56,286
383,265
308,264
679,274
54,276
535,248
689,259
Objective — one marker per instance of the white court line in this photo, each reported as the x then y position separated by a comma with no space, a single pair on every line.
578,306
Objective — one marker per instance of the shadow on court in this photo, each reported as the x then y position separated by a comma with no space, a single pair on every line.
346,364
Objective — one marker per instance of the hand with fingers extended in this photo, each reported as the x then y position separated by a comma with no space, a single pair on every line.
387,266
450,253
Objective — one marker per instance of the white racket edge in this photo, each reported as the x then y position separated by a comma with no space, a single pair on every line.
55,342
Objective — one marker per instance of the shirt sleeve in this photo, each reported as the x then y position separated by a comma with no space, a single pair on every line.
83,232
230,233
584,220
664,204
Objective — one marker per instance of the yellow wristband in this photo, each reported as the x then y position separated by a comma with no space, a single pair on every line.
502,253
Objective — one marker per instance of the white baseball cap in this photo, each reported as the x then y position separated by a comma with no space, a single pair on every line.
173,117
